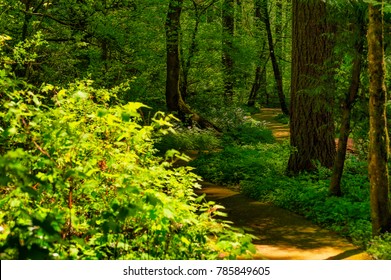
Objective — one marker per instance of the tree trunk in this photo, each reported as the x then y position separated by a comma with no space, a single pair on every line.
378,136
187,64
311,118
174,99
228,17
172,47
347,105
260,80
260,72
276,69
278,30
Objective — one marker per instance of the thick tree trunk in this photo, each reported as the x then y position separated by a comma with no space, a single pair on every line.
311,118
276,68
378,136
347,105
228,18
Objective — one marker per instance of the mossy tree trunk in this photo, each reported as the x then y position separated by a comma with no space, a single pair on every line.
378,136
311,118
347,105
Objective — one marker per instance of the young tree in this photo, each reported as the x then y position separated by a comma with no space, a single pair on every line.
200,9
378,135
358,30
276,68
260,70
312,125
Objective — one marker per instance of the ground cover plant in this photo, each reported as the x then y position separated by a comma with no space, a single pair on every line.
260,170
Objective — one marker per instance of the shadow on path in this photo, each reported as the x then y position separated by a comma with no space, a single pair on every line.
282,235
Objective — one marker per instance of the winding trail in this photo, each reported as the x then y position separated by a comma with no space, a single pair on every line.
281,234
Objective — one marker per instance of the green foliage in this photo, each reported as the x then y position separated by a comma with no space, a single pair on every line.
380,247
236,163
308,195
282,118
260,171
189,138
80,180
250,133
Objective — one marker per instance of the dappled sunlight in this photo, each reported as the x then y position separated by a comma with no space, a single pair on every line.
280,130
281,234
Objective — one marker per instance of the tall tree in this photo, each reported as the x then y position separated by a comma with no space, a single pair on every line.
276,68
173,95
311,125
260,70
200,8
378,135
174,99
358,29
228,20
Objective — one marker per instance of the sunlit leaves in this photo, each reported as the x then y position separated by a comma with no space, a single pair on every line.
85,182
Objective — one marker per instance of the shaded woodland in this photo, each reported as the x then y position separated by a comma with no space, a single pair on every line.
113,111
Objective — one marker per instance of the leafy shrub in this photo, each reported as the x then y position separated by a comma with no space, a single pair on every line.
236,163
380,247
282,118
251,132
80,180
192,138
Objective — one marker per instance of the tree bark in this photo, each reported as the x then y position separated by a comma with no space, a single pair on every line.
378,135
311,118
174,99
228,20
172,48
347,105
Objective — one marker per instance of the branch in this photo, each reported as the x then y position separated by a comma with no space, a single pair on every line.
51,17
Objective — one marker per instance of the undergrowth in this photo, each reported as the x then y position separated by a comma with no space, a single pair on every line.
260,171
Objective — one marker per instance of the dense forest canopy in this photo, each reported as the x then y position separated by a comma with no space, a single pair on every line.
96,97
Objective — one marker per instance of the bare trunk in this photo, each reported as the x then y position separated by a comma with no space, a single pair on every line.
378,136
312,124
276,69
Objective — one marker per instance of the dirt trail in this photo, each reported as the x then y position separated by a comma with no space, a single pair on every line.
280,131
282,235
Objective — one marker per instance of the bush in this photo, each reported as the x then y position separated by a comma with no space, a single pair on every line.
380,247
237,163
282,118
192,138
80,180
250,133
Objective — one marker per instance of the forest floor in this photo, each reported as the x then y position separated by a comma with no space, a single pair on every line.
281,234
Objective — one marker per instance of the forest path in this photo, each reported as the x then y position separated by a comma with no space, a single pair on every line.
281,234
280,131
